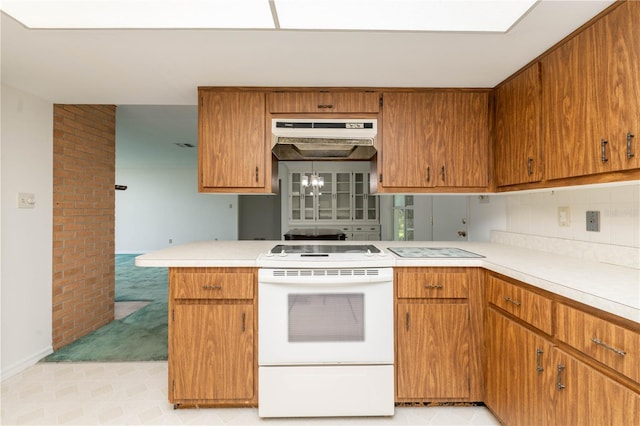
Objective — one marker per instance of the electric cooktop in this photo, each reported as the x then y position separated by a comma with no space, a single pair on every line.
432,252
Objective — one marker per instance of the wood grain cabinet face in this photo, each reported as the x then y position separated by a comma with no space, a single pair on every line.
590,92
324,102
518,155
434,139
519,373
616,347
232,145
212,336
533,308
437,343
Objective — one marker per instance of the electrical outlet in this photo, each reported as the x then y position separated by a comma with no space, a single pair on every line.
593,221
564,216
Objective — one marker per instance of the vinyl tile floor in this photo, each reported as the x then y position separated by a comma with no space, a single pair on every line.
135,393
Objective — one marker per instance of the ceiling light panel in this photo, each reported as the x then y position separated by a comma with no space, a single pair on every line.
402,15
85,14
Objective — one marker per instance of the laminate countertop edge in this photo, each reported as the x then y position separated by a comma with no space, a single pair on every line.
610,288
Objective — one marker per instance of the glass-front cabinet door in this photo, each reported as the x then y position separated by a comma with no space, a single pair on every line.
365,206
343,196
324,198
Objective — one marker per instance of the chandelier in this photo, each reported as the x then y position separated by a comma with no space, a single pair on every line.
314,181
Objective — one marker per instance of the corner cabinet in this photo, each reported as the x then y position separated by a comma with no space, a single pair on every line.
590,92
518,153
434,140
233,149
438,334
212,340
543,367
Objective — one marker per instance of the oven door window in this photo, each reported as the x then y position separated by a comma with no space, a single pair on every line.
326,317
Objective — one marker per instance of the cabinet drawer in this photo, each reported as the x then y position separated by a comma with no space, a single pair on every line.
612,345
329,102
214,285
524,304
423,283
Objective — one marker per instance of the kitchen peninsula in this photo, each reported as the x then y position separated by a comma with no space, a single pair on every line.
562,324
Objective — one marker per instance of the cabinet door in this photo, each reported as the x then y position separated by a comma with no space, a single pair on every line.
407,141
585,396
343,196
618,60
519,373
461,138
330,102
211,352
432,351
231,141
517,129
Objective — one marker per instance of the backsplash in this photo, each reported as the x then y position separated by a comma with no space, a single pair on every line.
533,222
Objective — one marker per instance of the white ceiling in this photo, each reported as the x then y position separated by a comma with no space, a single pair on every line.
165,67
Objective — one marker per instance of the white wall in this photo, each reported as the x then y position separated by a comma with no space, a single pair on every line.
163,203
26,252
536,213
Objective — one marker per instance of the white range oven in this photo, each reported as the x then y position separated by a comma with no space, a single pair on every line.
325,331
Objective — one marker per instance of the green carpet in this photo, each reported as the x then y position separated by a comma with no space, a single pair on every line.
141,336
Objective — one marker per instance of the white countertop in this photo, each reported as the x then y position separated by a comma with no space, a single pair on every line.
611,288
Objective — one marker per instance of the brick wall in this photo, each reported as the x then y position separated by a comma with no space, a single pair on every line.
83,219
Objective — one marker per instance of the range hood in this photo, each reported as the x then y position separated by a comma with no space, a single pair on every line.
323,139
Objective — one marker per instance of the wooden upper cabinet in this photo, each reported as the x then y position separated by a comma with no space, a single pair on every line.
324,102
434,139
518,154
590,92
232,143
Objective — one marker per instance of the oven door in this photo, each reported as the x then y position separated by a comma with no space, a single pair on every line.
325,316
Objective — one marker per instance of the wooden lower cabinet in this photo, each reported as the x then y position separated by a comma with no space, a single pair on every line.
518,389
438,334
433,350
535,378
212,337
584,396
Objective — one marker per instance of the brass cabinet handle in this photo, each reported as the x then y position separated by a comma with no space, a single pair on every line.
325,106
560,385
428,174
443,173
244,322
211,287
257,173
603,149
606,346
629,153
529,166
407,321
430,286
515,302
539,353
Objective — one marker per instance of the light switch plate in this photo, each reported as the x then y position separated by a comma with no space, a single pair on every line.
564,216
593,221
26,200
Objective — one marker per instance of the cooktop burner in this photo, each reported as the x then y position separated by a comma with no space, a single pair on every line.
324,249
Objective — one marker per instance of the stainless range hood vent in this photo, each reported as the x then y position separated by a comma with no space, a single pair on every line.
323,139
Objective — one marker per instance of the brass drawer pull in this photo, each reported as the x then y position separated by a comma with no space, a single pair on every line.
325,106
539,353
604,345
433,286
560,384
515,302
211,287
